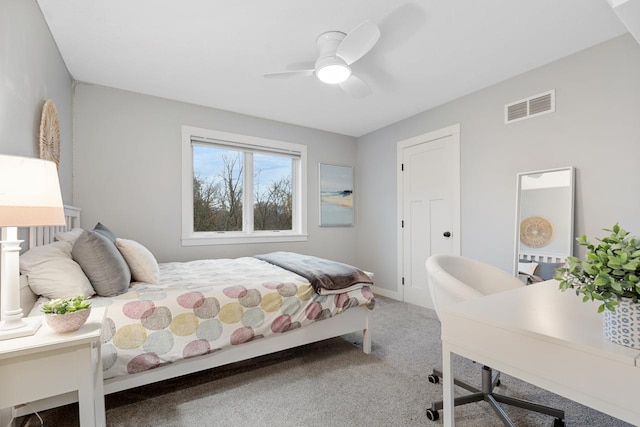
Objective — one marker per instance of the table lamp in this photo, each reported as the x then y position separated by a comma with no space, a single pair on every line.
29,196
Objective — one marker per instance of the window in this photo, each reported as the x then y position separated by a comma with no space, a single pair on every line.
241,189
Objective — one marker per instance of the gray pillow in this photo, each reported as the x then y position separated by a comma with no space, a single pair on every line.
102,263
99,228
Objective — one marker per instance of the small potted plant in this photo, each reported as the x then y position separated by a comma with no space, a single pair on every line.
610,273
66,314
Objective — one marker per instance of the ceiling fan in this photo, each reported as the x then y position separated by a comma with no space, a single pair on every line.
337,52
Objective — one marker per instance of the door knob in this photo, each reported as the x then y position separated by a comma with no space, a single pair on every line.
446,234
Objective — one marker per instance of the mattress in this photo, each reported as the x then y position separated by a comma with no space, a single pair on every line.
204,306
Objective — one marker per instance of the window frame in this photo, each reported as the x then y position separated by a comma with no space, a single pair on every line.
249,145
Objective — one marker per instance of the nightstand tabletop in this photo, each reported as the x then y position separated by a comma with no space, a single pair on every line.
45,339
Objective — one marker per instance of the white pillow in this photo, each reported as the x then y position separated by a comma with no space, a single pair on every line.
143,265
53,273
68,236
527,267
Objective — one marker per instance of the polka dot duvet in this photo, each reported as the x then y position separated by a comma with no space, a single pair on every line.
203,306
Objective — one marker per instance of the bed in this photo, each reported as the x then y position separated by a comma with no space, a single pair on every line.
199,314
534,267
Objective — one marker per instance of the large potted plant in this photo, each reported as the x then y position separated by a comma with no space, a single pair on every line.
66,314
609,273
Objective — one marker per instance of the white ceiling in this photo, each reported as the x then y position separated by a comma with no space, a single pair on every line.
214,53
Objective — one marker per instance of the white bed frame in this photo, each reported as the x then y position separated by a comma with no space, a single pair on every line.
542,257
537,257
356,319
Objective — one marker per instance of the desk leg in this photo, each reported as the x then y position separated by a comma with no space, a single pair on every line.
447,378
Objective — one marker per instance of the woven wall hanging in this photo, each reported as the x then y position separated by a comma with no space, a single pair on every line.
50,133
536,232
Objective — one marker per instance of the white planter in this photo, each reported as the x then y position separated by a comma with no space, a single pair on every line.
68,322
623,325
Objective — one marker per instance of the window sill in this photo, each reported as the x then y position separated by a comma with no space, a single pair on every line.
224,239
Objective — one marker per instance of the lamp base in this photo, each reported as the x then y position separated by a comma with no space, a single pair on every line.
32,324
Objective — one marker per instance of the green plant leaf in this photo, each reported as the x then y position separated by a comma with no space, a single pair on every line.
602,280
610,269
66,305
590,269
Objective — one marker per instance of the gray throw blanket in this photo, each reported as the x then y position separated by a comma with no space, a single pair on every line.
321,273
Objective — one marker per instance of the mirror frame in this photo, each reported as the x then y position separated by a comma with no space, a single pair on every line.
571,237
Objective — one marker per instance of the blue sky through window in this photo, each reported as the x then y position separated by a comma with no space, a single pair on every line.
269,169
208,164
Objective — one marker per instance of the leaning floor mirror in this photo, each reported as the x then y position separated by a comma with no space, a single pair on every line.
544,222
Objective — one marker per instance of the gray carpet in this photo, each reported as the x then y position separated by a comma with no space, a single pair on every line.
331,383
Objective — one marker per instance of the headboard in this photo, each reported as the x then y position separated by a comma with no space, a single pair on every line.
541,257
38,236
545,270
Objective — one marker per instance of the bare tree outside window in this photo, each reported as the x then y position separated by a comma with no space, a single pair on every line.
272,209
218,193
272,192
217,190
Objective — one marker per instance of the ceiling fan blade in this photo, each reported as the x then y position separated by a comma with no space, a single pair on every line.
358,42
289,74
356,87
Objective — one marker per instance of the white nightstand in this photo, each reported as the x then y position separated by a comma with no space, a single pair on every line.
49,364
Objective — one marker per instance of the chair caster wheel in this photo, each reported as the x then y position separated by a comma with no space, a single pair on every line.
433,415
433,379
558,422
498,383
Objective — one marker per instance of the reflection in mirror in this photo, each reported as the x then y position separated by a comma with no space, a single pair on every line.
544,221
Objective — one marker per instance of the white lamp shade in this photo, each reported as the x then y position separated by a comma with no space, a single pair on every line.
29,192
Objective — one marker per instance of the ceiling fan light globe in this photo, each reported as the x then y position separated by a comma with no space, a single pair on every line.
334,73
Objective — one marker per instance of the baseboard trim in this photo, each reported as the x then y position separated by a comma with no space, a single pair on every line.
387,293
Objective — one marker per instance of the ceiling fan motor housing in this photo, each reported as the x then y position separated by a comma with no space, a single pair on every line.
329,67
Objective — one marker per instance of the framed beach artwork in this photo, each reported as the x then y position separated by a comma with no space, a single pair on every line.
336,195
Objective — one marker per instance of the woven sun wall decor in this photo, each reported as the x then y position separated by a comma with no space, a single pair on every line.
536,232
50,133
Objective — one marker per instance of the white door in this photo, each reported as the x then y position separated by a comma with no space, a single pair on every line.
429,206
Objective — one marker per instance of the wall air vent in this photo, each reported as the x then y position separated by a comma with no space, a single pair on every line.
530,107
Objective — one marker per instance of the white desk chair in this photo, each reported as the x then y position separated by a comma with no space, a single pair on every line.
452,279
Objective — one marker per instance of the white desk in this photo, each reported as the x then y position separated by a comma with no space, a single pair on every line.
48,364
548,338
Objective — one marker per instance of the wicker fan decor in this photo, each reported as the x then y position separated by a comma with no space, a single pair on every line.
50,133
536,232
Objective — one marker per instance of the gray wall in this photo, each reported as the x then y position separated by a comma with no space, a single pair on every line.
596,128
127,171
127,150
32,71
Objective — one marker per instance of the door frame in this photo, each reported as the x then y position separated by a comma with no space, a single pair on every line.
453,131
